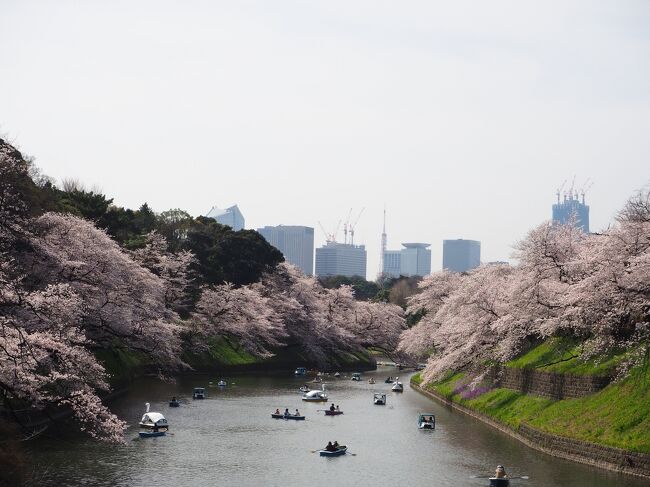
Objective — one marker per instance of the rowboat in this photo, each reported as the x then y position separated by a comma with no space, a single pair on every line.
288,416
329,412
336,453
174,403
305,388
151,434
389,380
499,482
371,381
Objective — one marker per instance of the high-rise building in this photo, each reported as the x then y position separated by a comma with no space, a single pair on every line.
461,255
230,216
572,210
295,242
339,259
392,263
413,260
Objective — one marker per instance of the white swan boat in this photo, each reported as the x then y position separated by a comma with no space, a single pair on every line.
315,395
152,420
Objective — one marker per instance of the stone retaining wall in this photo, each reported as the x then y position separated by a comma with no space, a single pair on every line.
548,384
609,458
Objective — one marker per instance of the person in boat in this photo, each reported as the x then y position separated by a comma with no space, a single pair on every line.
277,411
337,407
336,445
330,447
155,428
297,413
174,399
286,412
500,472
332,408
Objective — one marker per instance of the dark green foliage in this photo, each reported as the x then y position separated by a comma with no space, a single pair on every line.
224,255
363,290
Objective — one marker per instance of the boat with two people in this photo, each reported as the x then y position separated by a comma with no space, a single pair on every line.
389,380
371,381
315,395
379,399
287,415
198,393
333,411
397,386
427,421
333,450
174,403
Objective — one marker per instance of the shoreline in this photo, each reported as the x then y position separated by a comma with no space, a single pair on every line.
608,458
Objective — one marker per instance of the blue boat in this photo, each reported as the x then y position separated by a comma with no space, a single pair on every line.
336,453
151,434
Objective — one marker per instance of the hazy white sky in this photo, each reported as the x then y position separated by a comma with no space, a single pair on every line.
461,117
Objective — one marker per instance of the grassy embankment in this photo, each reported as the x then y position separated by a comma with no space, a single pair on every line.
617,416
123,364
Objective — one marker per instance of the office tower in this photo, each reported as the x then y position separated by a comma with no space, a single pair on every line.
413,260
338,259
230,216
572,210
295,242
461,255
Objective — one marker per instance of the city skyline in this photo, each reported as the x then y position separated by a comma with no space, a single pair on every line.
462,121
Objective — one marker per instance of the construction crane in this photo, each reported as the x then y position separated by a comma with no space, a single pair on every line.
346,227
330,237
585,187
558,192
352,226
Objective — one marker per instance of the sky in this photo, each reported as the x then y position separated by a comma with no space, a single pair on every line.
460,118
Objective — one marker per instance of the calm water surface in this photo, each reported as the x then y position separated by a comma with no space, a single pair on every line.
230,439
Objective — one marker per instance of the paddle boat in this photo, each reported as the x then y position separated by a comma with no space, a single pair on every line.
336,453
198,393
151,434
288,416
379,398
389,380
174,403
397,386
300,371
222,383
151,420
356,376
315,395
337,374
371,381
427,421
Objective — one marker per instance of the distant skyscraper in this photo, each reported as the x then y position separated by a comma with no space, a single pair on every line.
572,208
230,216
461,255
413,260
337,259
296,244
